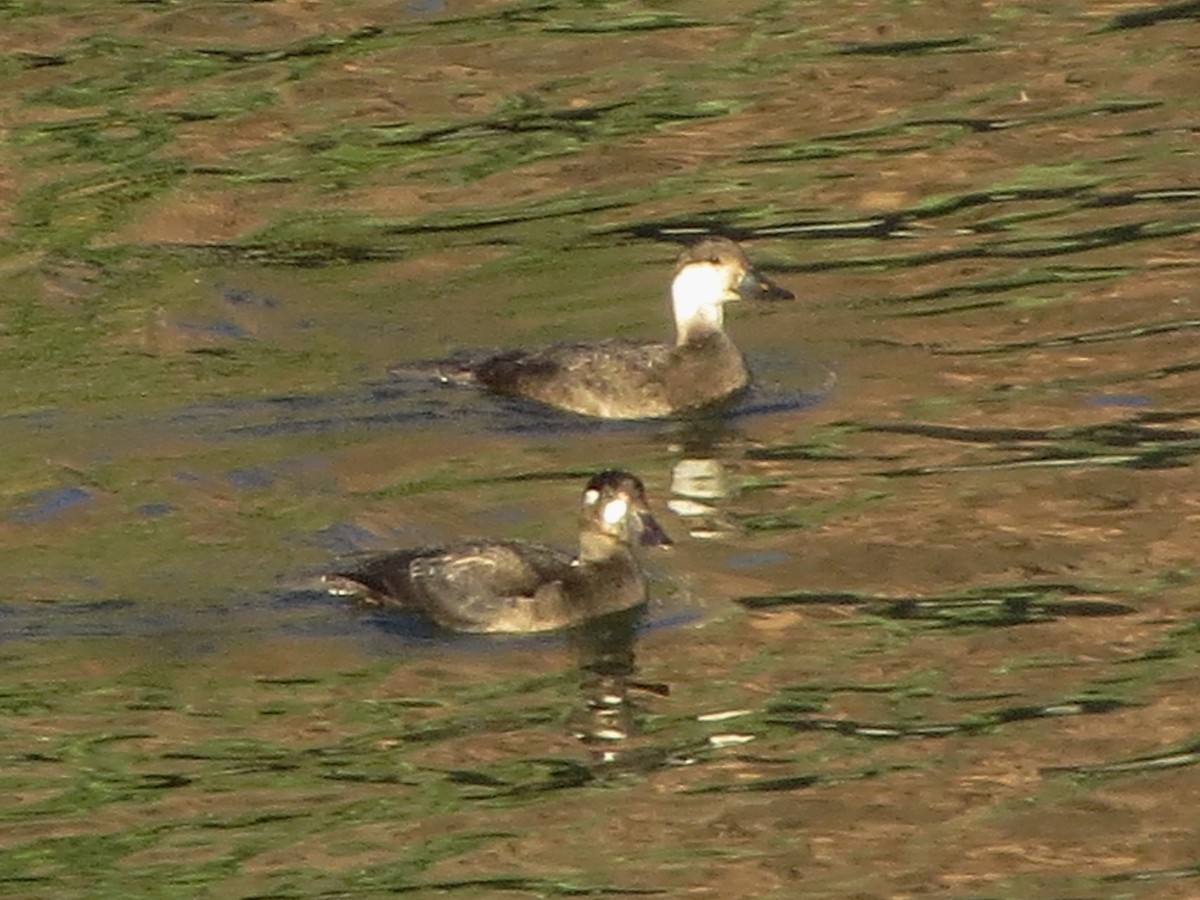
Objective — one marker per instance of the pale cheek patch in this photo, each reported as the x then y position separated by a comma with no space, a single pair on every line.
615,510
590,497
701,284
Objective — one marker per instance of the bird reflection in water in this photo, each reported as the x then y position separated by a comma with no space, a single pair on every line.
608,718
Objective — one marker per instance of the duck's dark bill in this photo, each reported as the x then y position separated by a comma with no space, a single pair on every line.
756,286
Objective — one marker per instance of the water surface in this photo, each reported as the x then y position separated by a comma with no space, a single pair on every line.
930,626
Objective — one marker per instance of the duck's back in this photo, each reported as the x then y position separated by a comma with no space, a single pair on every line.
478,586
620,379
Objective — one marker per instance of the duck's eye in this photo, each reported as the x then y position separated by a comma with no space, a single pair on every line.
615,510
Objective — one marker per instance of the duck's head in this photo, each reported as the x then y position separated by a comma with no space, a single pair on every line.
710,274
614,507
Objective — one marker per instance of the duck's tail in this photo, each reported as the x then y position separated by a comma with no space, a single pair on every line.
457,369
342,585
361,591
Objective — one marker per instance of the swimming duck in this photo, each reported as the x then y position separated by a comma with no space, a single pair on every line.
623,380
518,587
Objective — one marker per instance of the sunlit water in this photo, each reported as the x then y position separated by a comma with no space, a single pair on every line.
929,626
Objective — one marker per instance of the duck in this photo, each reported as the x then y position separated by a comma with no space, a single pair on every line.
518,587
616,379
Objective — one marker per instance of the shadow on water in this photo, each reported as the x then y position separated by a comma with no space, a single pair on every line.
412,401
305,612
289,613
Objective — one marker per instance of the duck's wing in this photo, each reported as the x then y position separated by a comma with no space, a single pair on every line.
486,586
515,371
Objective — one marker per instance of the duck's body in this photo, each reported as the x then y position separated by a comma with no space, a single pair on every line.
623,380
620,379
518,587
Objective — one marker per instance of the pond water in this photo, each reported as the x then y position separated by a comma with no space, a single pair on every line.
931,623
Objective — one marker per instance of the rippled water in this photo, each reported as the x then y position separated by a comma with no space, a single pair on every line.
930,626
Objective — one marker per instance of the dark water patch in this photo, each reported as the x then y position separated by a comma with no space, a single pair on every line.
366,409
320,45
249,820
1153,15
814,452
647,21
32,60
409,627
1092,336
477,779
1148,875
236,296
557,209
573,475
846,144
161,781
477,722
1120,400
1002,283
539,886
95,619
1173,458
321,240
1083,111
1135,432
1001,605
1187,754
725,223
300,254
1145,195
425,7
345,538
612,761
524,130
553,775
1042,246
757,559
975,724
507,123
154,510
773,784
995,612
1139,442
416,401
39,419
822,691
220,328
51,504
1153,374
901,224
305,612
202,625
411,703
809,515
918,47
369,778
251,478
